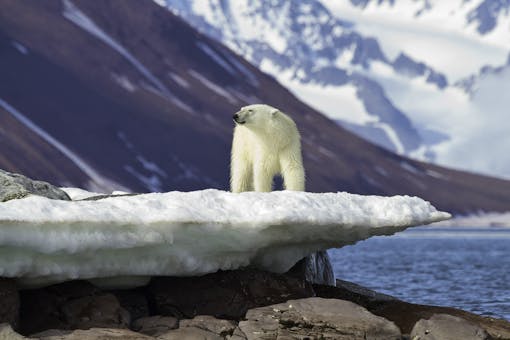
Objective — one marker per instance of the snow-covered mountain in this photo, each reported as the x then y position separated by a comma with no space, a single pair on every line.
395,72
320,58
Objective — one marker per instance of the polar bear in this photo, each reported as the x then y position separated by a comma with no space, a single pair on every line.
266,142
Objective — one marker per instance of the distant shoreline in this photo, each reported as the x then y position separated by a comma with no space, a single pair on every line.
483,220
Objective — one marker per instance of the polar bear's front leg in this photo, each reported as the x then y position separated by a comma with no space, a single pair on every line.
241,163
263,177
241,176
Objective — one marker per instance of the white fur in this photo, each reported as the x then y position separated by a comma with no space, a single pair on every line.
266,144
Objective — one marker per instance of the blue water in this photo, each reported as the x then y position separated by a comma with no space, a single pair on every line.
458,267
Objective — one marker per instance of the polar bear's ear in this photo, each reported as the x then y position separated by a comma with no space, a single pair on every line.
274,112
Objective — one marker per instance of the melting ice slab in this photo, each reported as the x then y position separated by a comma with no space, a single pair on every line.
190,233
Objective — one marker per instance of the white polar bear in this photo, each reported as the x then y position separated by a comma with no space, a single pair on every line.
266,143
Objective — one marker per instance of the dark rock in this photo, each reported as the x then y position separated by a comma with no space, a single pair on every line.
100,197
90,334
224,294
7,333
447,327
9,302
72,290
485,15
349,291
14,186
405,65
376,103
95,311
40,308
315,268
155,325
209,323
317,318
134,301
69,305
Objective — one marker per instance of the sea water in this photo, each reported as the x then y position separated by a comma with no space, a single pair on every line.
467,268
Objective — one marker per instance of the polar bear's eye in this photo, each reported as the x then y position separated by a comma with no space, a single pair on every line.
250,111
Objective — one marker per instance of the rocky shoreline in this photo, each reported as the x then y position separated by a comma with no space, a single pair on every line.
239,304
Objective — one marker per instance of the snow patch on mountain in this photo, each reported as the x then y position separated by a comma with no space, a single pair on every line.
179,80
20,47
213,87
124,82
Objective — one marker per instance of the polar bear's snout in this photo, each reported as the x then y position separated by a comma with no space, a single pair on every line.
238,119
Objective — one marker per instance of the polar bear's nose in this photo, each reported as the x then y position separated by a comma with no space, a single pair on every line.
237,119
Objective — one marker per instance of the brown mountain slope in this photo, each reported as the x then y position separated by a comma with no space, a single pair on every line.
146,101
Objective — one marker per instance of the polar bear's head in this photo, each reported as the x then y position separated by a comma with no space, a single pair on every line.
256,115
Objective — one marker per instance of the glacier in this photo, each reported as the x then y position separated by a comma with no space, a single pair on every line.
124,240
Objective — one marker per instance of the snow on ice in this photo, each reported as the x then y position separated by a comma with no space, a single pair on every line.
189,233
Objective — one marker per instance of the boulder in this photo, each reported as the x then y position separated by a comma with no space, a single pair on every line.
222,328
14,186
317,318
91,334
447,327
134,301
9,302
200,327
95,311
155,325
224,294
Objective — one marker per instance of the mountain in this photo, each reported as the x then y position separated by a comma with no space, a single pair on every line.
124,94
388,71
456,37
463,40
